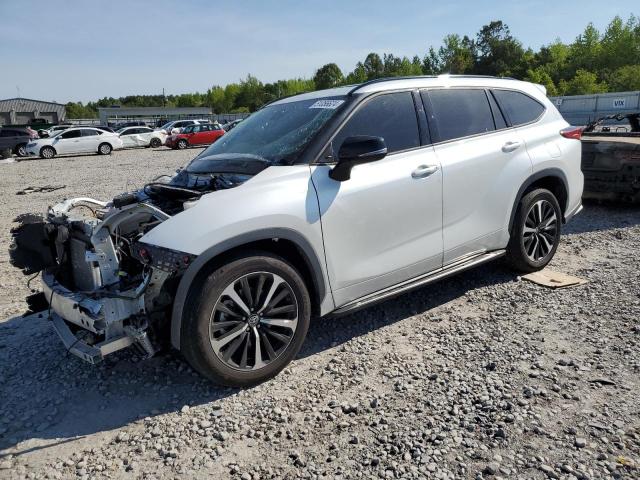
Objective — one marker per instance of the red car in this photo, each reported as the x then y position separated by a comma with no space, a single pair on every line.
193,135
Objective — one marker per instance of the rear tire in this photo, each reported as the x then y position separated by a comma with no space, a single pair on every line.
104,149
535,234
47,152
155,143
271,304
182,144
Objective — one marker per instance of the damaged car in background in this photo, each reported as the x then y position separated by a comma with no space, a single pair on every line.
316,204
611,158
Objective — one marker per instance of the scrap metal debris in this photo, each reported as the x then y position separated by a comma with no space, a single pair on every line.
551,279
45,189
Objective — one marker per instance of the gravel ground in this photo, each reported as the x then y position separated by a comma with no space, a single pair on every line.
479,376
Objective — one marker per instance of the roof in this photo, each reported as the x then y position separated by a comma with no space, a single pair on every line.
30,105
393,83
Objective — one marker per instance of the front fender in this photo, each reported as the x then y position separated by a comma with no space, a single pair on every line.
279,202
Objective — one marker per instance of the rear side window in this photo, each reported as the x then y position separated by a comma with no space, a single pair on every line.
518,107
460,113
90,133
391,116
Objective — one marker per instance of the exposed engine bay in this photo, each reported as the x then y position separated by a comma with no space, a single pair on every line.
102,287
611,158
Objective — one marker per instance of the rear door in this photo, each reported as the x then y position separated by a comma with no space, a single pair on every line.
90,140
383,225
484,163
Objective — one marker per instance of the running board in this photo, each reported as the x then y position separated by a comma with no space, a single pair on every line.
417,282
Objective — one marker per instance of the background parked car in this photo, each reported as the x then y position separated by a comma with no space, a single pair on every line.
133,123
51,131
141,137
231,125
16,139
75,140
176,125
203,134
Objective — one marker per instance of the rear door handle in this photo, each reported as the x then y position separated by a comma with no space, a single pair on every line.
424,171
511,146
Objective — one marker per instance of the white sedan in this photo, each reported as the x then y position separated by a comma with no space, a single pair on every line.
141,137
75,140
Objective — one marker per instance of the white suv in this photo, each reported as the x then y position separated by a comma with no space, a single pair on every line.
316,204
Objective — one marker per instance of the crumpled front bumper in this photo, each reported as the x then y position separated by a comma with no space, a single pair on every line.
103,318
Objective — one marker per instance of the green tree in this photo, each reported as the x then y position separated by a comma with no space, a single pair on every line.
583,83
328,76
625,79
373,66
542,77
456,56
498,52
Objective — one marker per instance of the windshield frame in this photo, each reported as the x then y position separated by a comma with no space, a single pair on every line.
303,155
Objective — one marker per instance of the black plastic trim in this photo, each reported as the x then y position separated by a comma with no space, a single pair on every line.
547,172
205,257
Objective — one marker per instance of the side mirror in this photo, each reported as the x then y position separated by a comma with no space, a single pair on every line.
355,151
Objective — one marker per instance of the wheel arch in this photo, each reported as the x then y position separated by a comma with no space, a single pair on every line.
55,152
286,243
554,180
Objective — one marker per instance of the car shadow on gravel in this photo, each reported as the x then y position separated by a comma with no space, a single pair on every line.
599,216
50,396
331,331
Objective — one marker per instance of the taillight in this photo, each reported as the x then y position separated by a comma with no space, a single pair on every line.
574,133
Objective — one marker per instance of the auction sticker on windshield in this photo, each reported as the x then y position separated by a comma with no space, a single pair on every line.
329,104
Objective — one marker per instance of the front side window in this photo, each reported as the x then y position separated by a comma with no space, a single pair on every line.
276,134
519,108
189,129
71,134
460,112
391,116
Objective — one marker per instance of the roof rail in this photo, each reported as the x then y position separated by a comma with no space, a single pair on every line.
415,77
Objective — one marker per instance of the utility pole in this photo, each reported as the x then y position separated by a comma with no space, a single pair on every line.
18,90
163,100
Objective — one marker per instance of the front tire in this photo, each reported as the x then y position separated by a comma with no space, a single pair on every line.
246,320
21,150
47,153
535,234
155,143
104,149
182,144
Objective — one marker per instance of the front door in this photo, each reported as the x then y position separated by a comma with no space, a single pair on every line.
68,142
384,224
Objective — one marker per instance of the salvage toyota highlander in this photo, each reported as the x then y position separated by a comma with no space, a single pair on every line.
317,204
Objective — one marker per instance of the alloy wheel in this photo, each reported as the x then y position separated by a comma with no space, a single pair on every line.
22,151
540,232
253,321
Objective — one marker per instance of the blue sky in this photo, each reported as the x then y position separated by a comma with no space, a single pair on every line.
85,50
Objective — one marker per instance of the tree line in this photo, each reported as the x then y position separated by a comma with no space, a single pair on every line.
595,62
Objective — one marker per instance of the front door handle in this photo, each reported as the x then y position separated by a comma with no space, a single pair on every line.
511,147
424,171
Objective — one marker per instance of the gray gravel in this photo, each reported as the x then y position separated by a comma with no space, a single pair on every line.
478,376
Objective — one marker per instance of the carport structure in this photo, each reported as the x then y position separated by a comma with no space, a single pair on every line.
150,114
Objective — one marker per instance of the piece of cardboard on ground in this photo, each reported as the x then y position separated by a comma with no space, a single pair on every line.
551,279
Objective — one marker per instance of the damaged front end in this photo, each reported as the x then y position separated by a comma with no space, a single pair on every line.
105,290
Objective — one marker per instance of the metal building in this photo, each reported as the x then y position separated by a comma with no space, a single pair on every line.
23,110
582,109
